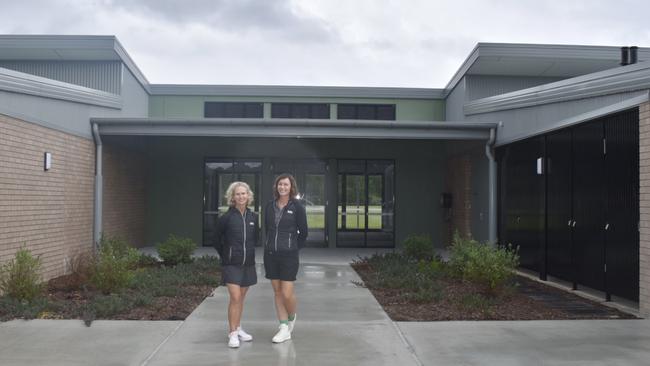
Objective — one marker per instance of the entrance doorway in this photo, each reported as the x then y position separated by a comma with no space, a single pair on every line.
366,204
310,177
218,175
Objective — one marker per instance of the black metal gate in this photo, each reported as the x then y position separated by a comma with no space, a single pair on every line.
522,195
570,201
622,233
559,215
589,205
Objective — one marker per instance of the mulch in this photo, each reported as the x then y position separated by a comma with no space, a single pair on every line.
68,290
528,300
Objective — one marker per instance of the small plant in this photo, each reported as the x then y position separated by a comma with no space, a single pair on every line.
176,250
20,278
113,266
483,263
476,302
418,247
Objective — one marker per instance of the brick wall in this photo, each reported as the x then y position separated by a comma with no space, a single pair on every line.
644,206
124,205
49,212
458,180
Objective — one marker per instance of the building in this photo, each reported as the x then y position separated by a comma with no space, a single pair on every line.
536,145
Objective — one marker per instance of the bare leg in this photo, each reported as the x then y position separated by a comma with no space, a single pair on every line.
289,297
243,291
280,309
235,306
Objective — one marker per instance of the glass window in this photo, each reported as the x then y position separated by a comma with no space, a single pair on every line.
366,111
233,110
300,110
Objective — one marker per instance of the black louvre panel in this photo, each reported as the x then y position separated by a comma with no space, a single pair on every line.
558,201
622,235
589,204
524,201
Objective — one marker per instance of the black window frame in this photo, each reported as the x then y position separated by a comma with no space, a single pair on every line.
300,110
214,109
370,112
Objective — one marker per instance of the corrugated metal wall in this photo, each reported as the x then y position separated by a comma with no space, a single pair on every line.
100,75
454,103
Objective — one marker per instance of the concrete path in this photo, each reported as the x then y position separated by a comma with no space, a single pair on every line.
338,324
563,342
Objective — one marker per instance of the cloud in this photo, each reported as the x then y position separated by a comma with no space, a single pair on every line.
278,17
417,43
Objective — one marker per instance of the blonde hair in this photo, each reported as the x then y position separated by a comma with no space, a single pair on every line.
230,193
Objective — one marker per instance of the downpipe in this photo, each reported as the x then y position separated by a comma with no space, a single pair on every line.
492,184
99,187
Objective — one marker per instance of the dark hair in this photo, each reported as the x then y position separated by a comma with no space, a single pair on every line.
293,192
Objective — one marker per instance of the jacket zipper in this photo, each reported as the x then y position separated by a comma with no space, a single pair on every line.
230,255
289,240
244,245
277,226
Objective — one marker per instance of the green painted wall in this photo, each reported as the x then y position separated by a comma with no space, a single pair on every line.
176,177
192,106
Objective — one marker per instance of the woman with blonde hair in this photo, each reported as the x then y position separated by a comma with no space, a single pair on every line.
285,221
237,232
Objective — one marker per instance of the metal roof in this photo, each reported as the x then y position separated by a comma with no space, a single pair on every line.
68,48
551,60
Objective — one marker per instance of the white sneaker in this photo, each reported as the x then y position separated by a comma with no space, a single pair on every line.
282,335
233,340
292,323
243,335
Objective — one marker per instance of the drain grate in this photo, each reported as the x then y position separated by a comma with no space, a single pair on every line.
565,302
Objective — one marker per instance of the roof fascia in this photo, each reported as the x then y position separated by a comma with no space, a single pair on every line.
295,128
297,91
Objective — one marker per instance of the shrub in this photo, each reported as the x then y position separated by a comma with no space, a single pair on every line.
113,266
396,271
19,278
482,263
105,306
476,302
11,308
176,250
81,265
418,247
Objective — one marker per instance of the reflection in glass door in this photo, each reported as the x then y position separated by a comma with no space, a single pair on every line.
310,177
218,175
365,203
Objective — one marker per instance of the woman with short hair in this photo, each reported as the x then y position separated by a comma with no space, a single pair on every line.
285,221
237,232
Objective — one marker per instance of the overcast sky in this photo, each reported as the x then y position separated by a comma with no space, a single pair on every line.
407,43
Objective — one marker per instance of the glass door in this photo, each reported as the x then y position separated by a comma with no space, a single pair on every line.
218,174
365,203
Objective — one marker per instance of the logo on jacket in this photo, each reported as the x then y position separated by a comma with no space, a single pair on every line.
251,223
290,212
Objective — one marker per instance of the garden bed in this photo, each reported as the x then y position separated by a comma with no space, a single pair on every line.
448,297
157,292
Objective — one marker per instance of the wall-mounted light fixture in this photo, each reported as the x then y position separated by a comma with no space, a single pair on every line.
47,161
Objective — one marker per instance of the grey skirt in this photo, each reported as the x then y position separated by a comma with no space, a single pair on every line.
244,276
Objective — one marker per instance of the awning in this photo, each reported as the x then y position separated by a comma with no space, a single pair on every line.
296,128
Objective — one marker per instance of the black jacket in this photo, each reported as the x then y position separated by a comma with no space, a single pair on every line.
291,232
236,237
